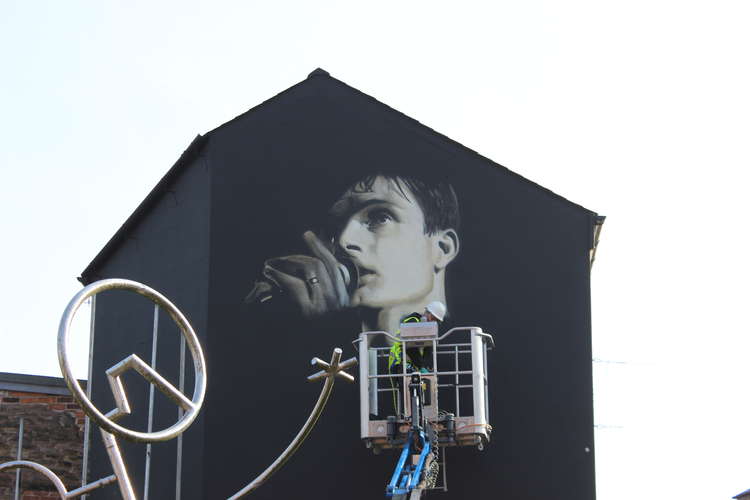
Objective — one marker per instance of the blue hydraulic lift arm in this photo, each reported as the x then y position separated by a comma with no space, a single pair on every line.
407,476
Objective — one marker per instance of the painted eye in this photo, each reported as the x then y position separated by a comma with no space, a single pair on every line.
377,217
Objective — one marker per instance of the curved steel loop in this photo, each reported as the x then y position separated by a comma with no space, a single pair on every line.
329,372
20,464
191,407
59,486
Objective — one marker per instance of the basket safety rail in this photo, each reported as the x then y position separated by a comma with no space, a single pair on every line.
454,387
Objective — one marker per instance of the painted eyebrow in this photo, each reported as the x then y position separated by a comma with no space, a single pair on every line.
348,207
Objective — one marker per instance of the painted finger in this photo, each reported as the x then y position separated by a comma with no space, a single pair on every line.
295,287
317,247
320,282
304,271
295,265
310,270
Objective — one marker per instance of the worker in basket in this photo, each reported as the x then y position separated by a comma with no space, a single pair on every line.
417,358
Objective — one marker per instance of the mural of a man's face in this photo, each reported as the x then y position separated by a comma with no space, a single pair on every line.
382,229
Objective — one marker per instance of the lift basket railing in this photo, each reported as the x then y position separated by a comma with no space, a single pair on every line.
454,371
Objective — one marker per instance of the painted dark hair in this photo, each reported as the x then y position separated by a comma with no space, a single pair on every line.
437,199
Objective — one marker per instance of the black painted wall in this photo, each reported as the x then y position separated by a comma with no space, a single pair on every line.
246,193
165,247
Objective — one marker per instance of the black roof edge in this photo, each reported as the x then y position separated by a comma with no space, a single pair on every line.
196,146
192,151
318,72
321,73
456,144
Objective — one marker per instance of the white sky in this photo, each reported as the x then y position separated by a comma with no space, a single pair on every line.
638,110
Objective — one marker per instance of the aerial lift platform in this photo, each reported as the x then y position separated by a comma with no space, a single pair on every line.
423,411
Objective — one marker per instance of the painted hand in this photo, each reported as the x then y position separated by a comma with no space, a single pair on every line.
313,283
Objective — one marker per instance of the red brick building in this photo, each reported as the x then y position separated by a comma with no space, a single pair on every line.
53,429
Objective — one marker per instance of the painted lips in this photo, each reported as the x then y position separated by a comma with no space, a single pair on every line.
365,275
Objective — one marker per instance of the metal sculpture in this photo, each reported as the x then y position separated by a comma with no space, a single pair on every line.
329,372
110,430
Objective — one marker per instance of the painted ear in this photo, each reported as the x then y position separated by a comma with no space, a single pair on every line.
447,248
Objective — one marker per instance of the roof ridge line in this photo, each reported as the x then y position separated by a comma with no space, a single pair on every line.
455,143
319,72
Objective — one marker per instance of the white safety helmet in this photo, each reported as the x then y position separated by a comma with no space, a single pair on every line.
437,309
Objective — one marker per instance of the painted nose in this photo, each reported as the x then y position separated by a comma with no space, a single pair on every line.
352,237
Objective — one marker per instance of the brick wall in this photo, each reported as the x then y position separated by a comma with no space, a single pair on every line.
52,436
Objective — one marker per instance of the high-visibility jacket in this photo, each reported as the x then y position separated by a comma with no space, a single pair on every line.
395,354
395,357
